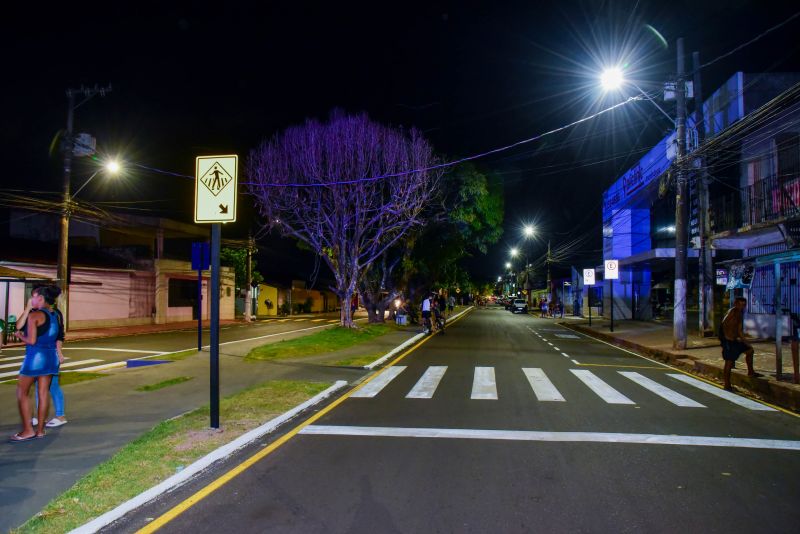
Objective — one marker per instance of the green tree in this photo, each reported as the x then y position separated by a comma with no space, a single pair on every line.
237,258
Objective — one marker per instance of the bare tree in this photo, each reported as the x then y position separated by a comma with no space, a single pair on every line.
349,188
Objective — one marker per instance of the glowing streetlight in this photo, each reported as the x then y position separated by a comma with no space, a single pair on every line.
508,265
612,79
529,230
514,252
112,167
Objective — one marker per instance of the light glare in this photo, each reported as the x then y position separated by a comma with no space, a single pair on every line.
612,79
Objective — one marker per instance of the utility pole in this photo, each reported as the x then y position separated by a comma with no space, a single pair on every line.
681,211
68,147
549,281
248,295
705,257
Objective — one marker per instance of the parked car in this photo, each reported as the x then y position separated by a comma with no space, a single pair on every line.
519,305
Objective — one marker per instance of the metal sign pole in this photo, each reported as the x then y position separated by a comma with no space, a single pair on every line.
214,349
199,310
612,304
589,298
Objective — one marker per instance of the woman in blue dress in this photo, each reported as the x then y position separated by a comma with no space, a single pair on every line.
40,334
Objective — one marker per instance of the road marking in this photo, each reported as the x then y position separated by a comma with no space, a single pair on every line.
603,390
721,393
549,343
283,320
567,336
543,388
316,320
662,391
204,492
12,358
334,321
576,362
63,365
556,348
427,385
565,354
625,366
381,381
483,384
531,435
104,349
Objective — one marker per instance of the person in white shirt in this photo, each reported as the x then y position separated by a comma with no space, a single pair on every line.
426,313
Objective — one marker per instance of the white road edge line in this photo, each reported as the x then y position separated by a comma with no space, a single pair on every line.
531,435
201,464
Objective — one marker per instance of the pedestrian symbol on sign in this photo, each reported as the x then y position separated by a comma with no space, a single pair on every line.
216,178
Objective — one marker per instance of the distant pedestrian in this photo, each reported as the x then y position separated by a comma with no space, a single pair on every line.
733,343
544,308
451,304
41,331
426,314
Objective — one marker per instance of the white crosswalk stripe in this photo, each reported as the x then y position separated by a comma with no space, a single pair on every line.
727,395
484,386
12,358
375,386
543,388
662,391
603,390
425,388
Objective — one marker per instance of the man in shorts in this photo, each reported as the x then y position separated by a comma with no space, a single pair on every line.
733,343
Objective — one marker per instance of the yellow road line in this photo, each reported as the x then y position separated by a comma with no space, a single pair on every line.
177,510
696,377
626,366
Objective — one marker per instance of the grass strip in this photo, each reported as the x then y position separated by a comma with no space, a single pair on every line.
165,450
165,383
359,361
328,340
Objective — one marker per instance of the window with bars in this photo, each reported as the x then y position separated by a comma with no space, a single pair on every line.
762,291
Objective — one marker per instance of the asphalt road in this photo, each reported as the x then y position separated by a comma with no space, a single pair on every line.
510,423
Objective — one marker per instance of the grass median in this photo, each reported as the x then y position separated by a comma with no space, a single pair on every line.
165,450
321,342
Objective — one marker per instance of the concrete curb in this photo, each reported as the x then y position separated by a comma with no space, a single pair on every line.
408,343
765,388
198,466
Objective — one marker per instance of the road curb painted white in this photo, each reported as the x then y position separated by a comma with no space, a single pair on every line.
407,343
198,466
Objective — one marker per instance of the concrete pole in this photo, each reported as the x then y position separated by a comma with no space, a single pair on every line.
681,212
705,256
248,295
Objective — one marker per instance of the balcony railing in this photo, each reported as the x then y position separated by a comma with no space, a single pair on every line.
770,199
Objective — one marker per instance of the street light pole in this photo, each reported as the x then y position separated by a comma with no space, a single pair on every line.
681,211
68,146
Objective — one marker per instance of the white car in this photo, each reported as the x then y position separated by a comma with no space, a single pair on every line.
519,305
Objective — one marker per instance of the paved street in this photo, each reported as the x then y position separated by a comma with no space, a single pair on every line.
510,423
106,414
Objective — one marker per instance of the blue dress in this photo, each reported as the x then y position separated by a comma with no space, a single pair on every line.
41,358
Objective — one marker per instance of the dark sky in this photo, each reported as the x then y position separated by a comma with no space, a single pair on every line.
191,79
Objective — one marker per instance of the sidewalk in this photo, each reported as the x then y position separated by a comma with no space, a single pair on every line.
106,414
703,356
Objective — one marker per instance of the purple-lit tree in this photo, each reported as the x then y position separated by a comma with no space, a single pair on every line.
349,188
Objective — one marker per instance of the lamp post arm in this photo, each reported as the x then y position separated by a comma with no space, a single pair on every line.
671,120
75,194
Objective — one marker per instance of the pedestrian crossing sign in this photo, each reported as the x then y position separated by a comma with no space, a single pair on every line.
215,190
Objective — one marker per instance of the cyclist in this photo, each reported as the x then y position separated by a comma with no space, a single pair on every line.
438,314
426,315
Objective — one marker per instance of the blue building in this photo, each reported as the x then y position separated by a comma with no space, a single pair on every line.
748,163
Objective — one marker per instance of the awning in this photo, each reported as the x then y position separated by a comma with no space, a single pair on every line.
7,274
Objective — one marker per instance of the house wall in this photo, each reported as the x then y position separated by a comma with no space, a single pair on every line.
267,292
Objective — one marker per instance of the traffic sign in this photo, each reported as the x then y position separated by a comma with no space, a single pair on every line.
612,270
215,189
588,277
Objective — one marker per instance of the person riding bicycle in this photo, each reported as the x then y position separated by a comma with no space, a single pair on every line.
426,314
438,315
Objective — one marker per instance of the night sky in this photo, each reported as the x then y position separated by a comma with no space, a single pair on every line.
197,79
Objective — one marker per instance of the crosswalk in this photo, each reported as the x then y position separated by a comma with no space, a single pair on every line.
485,387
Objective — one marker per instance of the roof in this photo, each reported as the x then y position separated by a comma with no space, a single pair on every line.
8,274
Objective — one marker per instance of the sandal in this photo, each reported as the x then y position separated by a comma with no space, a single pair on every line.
16,438
55,422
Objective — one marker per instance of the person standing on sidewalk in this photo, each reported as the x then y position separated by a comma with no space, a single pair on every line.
733,341
41,359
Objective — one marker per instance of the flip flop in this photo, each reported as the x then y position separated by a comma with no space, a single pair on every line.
54,422
17,439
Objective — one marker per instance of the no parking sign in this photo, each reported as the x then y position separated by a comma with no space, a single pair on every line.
612,270
588,277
